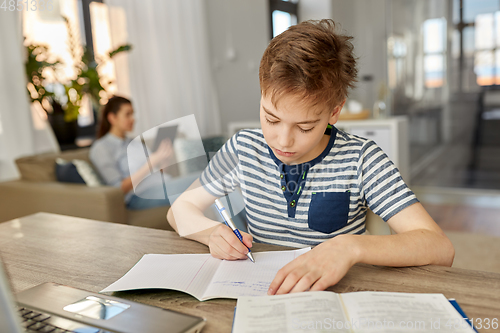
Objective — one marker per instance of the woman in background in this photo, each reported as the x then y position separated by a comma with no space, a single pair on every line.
109,154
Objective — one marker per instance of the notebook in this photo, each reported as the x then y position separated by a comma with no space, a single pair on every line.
362,311
51,307
204,276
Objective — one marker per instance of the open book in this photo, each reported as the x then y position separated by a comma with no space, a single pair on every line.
325,311
205,277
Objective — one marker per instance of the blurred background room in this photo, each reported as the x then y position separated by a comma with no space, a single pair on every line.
428,94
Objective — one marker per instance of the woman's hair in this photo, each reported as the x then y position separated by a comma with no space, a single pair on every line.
113,106
312,61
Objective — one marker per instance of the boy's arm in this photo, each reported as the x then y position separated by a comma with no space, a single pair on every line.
186,213
186,217
419,241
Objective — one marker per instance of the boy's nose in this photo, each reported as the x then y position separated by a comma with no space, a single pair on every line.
285,140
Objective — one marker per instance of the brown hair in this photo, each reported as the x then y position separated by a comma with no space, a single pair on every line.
311,61
113,106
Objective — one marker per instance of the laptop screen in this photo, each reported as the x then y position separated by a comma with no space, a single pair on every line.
9,321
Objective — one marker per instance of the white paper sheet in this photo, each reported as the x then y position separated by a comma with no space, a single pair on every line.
205,277
403,312
288,313
358,312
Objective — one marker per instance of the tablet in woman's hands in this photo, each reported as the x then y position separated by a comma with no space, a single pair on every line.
167,132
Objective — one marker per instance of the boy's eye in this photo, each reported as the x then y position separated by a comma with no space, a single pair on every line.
301,129
306,130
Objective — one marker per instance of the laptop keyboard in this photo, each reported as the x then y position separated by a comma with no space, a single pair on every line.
39,322
33,321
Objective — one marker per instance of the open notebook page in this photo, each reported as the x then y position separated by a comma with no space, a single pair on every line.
314,311
189,273
194,273
245,278
402,312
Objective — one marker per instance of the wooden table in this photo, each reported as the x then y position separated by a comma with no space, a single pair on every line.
91,255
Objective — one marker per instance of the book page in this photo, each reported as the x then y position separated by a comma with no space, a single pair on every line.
316,311
402,312
235,278
189,273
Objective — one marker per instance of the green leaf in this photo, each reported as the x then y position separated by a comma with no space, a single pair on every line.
87,81
121,48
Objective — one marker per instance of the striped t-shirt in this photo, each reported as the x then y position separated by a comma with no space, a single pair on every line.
331,197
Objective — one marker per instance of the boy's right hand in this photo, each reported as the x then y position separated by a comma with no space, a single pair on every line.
224,244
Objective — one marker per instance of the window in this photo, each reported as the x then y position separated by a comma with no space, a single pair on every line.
487,56
49,28
283,14
102,44
477,24
434,31
87,24
396,51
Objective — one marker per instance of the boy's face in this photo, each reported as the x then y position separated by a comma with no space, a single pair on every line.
293,131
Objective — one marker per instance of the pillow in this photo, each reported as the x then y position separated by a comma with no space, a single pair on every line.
40,167
37,167
76,171
87,173
66,172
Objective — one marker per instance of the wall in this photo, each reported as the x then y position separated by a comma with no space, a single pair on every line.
366,22
314,9
238,35
19,135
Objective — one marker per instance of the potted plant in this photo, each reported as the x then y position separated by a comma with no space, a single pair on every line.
61,99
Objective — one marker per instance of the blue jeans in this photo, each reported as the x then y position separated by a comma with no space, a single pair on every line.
149,197
174,188
138,203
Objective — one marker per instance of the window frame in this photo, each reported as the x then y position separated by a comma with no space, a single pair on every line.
460,26
87,25
289,7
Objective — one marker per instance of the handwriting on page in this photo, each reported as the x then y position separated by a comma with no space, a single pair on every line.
244,288
205,277
244,278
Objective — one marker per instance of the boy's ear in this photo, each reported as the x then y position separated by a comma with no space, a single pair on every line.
334,117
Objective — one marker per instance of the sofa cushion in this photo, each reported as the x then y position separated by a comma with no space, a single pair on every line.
87,172
150,218
41,167
76,171
66,172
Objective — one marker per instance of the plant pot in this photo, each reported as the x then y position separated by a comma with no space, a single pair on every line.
64,131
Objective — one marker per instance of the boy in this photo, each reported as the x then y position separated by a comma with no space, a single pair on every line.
306,183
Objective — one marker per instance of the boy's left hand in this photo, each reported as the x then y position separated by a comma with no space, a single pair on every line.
317,269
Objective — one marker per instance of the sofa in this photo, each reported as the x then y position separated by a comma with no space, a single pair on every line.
38,190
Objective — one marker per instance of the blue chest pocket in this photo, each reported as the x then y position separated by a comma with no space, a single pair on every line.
328,211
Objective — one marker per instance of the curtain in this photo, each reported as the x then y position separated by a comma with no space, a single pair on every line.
169,68
18,135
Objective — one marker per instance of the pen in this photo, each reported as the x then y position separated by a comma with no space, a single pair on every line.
227,220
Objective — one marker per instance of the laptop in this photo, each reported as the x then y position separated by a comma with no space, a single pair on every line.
55,308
